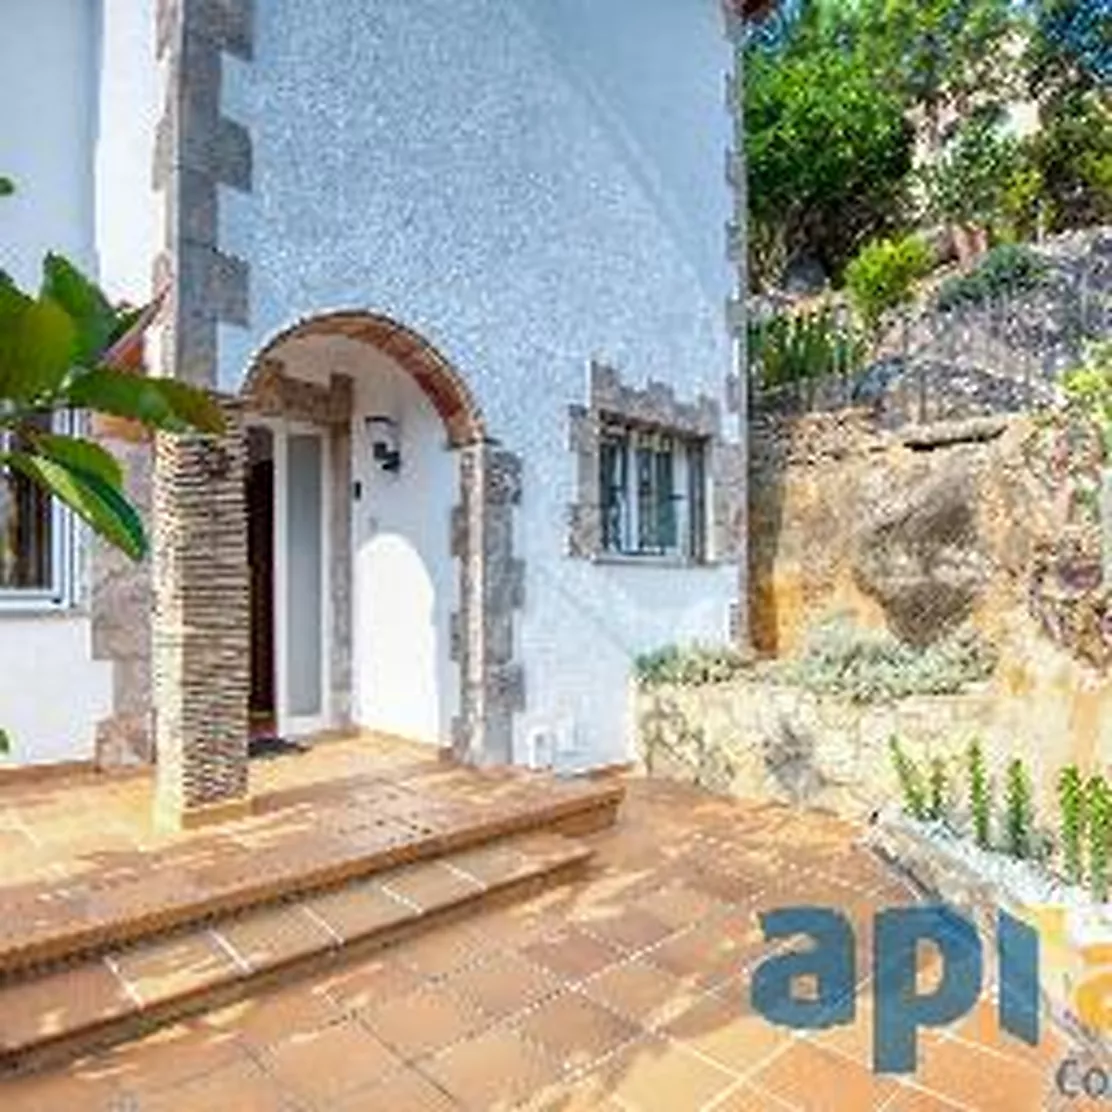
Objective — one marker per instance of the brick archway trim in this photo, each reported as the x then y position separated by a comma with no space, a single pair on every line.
433,373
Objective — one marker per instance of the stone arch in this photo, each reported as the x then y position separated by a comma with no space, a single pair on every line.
480,533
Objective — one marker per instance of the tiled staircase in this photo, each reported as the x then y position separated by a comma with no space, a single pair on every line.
86,967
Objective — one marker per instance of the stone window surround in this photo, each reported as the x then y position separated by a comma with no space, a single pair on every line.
654,406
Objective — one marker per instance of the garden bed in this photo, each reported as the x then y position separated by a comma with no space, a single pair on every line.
951,869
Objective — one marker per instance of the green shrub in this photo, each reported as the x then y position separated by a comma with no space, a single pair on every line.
1019,811
865,667
883,275
788,348
1088,390
1099,814
911,781
1073,153
969,183
688,666
1071,803
980,801
1010,268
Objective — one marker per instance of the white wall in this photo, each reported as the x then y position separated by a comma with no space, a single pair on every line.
130,99
47,129
526,184
51,692
405,580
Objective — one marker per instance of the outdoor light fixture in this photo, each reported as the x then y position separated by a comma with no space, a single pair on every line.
382,434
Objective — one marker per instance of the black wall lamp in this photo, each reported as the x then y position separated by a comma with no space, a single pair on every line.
382,433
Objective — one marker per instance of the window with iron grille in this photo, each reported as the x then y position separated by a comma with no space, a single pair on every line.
652,493
35,535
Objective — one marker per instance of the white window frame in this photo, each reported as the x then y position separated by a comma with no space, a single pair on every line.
59,595
629,434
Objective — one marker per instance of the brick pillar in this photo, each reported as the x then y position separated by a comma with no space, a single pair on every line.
201,627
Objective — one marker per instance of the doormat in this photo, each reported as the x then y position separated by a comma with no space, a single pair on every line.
267,747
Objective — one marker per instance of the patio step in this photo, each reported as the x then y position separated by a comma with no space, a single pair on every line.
298,842
52,1015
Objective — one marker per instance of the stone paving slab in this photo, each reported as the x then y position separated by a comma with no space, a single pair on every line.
625,991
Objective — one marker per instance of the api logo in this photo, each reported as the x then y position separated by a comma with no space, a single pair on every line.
899,1008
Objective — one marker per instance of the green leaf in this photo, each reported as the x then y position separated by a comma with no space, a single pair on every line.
36,345
123,394
191,405
7,186
94,319
99,503
80,455
5,741
125,321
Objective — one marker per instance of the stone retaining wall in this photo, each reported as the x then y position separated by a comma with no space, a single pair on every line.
754,738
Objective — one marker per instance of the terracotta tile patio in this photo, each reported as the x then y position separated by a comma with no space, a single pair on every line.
626,990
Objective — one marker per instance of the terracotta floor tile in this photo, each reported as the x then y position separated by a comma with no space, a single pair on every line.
587,1094
852,1040
243,1087
169,1057
748,1098
269,1018
274,935
680,906
492,864
908,1098
641,992
64,1001
503,984
58,1092
982,1026
966,1074
430,884
628,928
705,955
324,1065
516,926
358,909
572,954
174,966
658,1075
728,1033
491,1072
371,982
575,1031
817,1080
443,950
423,1022
403,1091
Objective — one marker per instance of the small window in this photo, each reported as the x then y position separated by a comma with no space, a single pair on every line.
33,538
652,493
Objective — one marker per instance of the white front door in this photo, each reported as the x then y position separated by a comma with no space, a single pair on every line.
301,587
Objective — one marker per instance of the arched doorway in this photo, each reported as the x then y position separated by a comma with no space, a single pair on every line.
380,561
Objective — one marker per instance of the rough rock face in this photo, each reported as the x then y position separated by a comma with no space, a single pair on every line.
919,554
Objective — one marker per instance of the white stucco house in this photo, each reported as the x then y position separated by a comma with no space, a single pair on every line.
464,276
